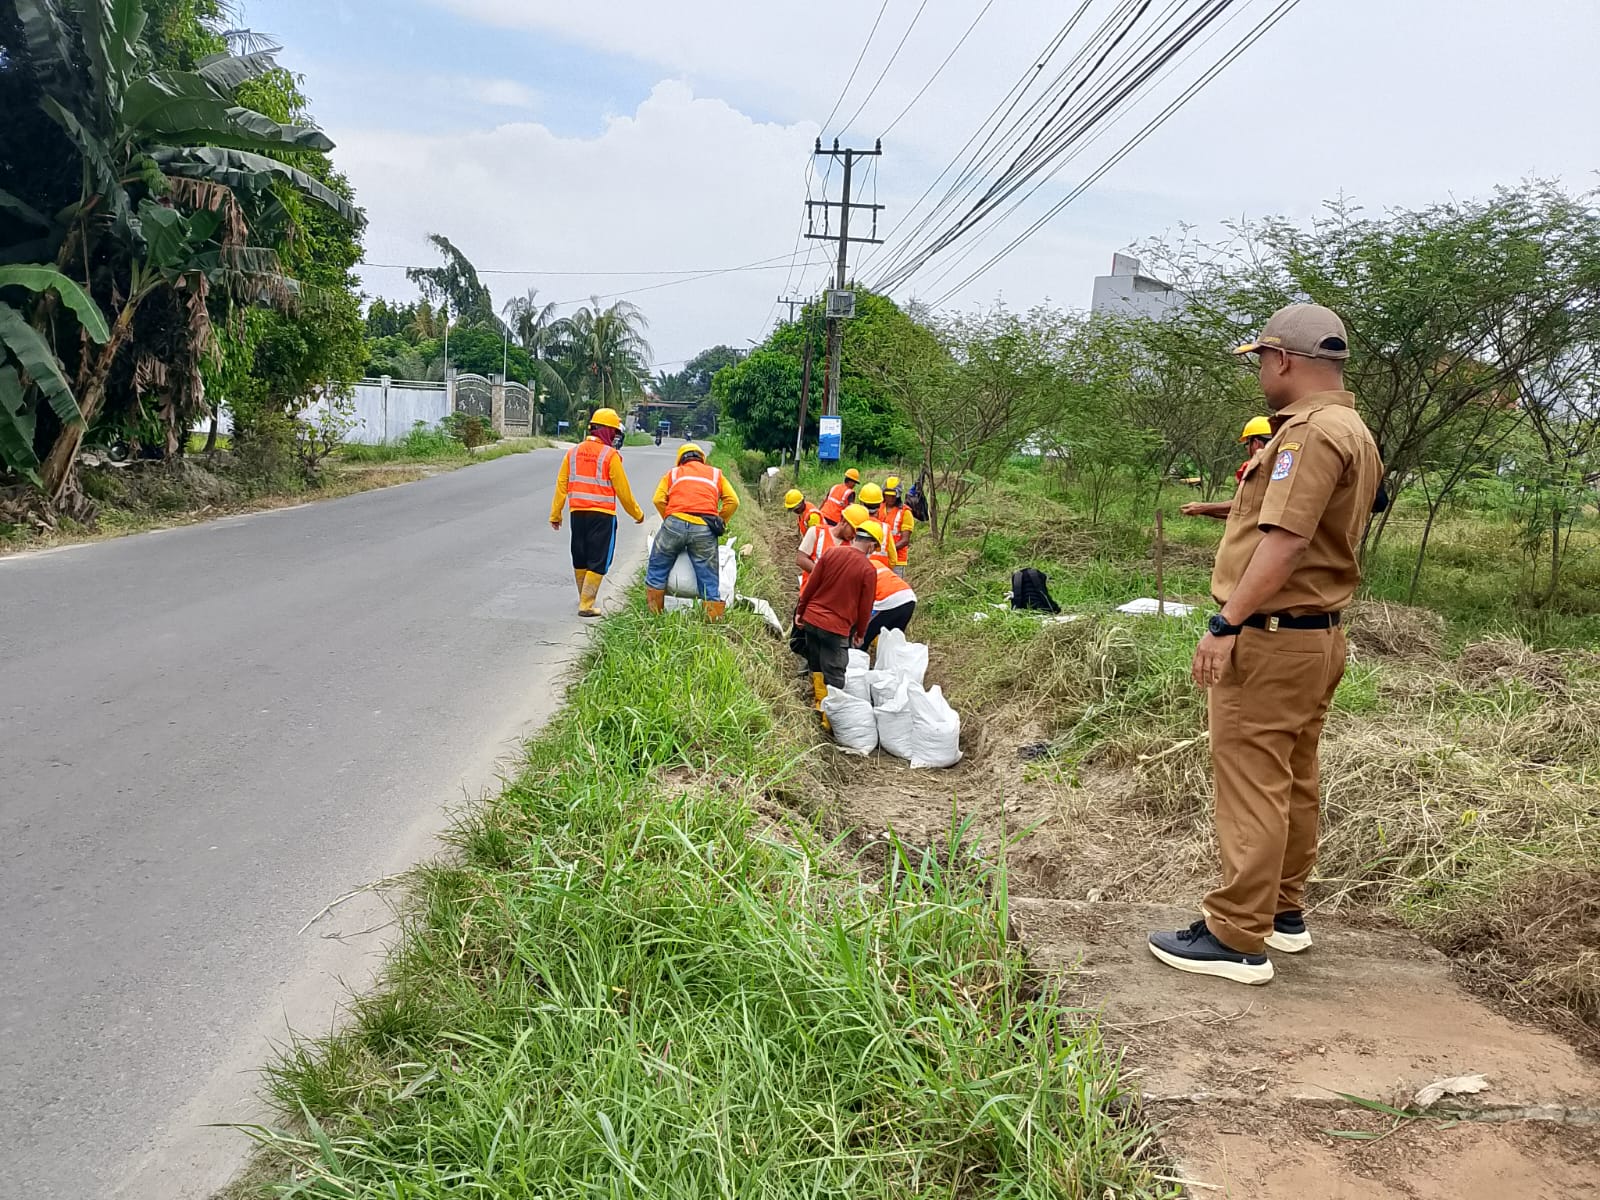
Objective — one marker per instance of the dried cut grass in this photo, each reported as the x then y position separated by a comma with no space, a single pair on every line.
1537,945
1503,660
1381,629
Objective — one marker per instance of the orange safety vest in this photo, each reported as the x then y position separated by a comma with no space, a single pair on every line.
589,477
803,516
889,584
833,507
893,520
694,489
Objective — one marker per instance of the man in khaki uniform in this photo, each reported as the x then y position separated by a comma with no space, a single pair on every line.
1274,654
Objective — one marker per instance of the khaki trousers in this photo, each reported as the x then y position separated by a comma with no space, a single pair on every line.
1266,715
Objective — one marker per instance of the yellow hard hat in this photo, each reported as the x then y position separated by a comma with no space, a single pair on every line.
871,495
856,516
607,417
873,530
793,498
814,520
689,448
892,484
853,475
1256,427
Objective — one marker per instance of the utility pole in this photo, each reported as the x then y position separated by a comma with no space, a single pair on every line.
805,403
791,301
830,393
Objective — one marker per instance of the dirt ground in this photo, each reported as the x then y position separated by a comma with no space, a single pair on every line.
1257,1093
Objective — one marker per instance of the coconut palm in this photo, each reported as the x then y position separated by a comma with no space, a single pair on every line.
607,356
163,163
538,331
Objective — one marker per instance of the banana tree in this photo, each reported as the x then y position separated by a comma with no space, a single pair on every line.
151,142
26,359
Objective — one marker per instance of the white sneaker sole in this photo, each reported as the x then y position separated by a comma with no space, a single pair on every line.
1289,943
1222,969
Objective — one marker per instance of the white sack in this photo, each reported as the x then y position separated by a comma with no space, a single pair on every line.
681,579
897,721
909,660
936,730
855,676
855,728
882,685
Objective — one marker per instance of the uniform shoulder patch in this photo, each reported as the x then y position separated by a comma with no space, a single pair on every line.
1283,465
1290,446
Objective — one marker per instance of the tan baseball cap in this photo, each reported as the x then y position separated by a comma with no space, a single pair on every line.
1308,330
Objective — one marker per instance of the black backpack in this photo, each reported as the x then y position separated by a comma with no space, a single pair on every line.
1030,591
917,502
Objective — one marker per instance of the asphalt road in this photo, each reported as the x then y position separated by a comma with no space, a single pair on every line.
206,735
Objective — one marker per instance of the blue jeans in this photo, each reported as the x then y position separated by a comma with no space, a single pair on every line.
677,535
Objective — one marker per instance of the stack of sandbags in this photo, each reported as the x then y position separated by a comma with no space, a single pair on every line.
887,706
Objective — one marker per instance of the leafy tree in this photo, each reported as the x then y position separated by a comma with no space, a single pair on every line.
760,398
675,387
148,172
538,331
481,351
456,283
700,370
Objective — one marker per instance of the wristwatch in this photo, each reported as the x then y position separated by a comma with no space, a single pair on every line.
1219,627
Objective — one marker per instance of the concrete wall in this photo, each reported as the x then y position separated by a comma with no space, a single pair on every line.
1129,292
387,413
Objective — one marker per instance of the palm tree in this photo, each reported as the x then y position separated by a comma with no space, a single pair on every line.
606,352
161,162
538,331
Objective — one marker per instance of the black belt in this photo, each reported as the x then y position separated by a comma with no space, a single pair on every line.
1285,621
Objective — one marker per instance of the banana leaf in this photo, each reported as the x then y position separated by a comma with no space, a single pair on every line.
16,427
240,169
38,278
35,357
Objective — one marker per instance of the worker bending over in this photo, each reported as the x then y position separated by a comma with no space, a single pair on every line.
893,600
695,501
841,496
897,524
821,537
836,610
591,481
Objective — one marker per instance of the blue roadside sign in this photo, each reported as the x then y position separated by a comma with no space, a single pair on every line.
829,437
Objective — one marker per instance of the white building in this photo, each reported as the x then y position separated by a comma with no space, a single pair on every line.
1129,292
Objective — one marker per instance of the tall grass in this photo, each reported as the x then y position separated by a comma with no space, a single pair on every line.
626,985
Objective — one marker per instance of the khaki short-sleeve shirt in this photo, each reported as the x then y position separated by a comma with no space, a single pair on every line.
1317,478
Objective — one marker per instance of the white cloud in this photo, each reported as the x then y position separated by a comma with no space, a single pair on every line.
1392,104
683,182
495,93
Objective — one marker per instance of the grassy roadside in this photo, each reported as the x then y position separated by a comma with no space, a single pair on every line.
642,975
1461,764
145,497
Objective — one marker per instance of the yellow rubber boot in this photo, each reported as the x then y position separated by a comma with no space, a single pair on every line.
656,599
819,693
716,610
591,592
580,577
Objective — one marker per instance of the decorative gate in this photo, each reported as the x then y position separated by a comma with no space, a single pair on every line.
475,395
519,410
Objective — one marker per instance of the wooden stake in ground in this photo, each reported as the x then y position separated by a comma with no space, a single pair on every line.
1161,590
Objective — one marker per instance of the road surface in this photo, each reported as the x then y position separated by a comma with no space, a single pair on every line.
206,735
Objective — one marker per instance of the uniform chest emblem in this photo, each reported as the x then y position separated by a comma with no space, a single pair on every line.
1283,465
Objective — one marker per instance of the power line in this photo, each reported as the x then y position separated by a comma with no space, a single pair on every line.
988,4
881,74
1258,32
871,33
758,265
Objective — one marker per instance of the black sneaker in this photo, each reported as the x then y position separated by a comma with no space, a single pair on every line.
1197,950
1289,933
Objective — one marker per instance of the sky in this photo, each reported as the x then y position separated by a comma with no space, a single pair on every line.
578,147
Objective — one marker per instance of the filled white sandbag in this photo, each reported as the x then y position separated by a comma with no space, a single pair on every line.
855,676
855,727
906,659
882,685
727,571
936,730
682,581
897,720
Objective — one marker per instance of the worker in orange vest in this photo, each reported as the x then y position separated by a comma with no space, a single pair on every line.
591,481
796,502
897,525
821,537
840,496
895,602
695,501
